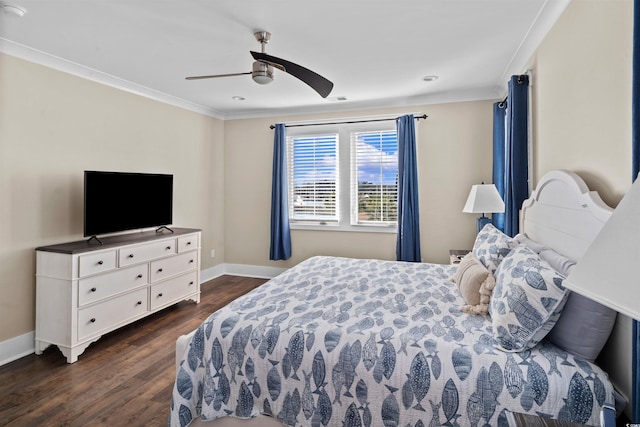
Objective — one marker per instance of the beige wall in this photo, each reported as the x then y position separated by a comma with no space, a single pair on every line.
581,100
454,152
53,126
582,96
582,116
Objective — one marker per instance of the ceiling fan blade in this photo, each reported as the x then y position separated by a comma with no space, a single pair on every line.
316,81
216,76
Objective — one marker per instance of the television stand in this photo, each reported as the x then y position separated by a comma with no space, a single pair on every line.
94,237
85,291
164,227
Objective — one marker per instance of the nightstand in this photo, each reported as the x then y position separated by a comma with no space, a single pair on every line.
456,255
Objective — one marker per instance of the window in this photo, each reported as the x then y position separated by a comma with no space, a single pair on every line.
346,178
374,177
313,178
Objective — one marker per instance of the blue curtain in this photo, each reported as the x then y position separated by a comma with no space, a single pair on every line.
408,244
280,232
635,141
499,115
516,168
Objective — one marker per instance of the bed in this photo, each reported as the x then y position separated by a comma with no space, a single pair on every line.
352,342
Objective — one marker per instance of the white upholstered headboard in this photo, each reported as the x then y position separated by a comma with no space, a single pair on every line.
563,214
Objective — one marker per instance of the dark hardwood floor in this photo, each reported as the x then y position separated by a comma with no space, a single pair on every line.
123,379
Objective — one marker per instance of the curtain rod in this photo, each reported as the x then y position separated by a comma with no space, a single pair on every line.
424,116
520,79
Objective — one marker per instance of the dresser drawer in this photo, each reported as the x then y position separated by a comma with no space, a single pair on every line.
145,252
173,289
105,285
165,268
188,243
95,320
96,262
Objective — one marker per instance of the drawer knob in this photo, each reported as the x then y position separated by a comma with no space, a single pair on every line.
159,270
191,283
93,289
93,320
100,262
190,261
188,243
139,303
130,256
160,294
168,248
139,276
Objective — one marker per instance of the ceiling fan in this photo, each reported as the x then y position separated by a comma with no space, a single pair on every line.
264,64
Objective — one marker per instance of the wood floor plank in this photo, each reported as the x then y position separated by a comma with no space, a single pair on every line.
125,378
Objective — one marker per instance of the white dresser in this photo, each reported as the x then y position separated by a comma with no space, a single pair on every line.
86,289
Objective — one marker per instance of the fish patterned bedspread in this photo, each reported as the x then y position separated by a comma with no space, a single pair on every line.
350,342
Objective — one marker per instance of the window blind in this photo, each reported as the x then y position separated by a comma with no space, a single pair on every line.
374,177
313,173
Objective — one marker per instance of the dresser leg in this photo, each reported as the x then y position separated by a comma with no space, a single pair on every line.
41,346
195,298
72,353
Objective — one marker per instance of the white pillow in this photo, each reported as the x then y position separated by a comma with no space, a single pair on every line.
531,244
527,300
491,246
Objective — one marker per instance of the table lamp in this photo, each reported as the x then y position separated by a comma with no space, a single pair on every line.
608,271
483,198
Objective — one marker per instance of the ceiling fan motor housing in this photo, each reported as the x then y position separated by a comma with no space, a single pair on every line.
262,70
262,73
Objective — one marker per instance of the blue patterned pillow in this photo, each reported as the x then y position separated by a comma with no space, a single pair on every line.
527,300
491,246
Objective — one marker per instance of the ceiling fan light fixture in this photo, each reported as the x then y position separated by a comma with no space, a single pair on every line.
262,73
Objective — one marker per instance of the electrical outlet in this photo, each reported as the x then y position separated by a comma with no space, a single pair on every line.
213,253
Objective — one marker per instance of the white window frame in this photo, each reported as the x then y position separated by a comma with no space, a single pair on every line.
320,169
344,201
390,161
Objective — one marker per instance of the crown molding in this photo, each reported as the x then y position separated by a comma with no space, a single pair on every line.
42,58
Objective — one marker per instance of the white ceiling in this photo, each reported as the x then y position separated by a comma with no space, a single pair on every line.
376,52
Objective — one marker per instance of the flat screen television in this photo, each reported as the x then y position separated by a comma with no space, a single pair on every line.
120,201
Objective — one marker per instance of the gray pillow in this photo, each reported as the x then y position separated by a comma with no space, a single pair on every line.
584,325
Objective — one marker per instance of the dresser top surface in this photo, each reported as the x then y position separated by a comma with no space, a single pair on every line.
87,245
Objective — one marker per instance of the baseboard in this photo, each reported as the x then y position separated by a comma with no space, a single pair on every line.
257,271
23,345
17,347
211,273
245,270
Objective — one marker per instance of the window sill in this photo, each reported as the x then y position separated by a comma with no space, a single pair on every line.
346,228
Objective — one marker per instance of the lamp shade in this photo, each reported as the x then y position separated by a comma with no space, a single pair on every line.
484,198
608,271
